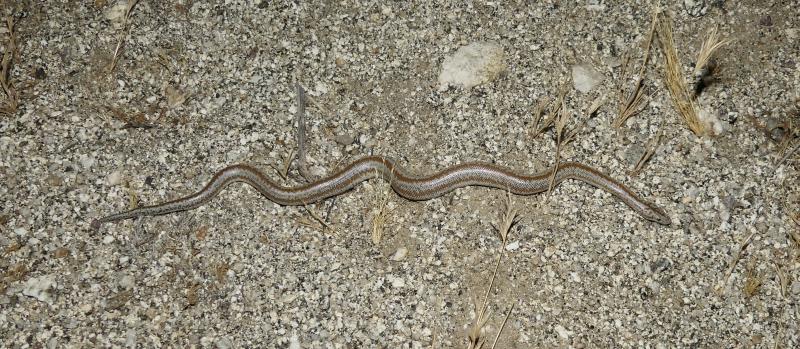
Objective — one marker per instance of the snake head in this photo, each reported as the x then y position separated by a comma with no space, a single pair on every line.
656,214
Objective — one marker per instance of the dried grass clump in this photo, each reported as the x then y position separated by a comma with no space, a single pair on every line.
635,102
682,96
676,84
706,69
10,97
476,336
126,28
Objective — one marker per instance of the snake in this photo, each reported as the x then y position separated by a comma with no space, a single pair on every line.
408,186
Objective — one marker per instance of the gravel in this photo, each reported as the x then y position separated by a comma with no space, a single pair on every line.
202,85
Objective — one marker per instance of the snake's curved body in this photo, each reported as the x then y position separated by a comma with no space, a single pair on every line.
408,186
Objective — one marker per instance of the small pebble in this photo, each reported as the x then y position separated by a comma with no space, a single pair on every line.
344,139
399,254
397,282
512,246
472,65
39,288
114,178
585,78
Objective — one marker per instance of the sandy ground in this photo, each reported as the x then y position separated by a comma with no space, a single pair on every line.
199,86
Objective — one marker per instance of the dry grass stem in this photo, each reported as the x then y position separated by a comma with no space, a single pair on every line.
676,84
475,335
788,154
783,279
10,102
133,199
508,219
323,225
300,118
634,103
794,235
752,282
283,171
542,123
563,138
650,150
131,120
126,27
707,50
595,106
632,106
560,124
502,326
792,134
380,213
539,122
720,289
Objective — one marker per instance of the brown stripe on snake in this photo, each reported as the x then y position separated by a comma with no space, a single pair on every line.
406,185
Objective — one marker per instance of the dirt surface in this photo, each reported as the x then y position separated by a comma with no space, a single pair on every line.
197,86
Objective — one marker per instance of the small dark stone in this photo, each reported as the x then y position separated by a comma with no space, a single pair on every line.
765,21
662,264
40,74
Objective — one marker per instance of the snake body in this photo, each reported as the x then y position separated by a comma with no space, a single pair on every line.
416,188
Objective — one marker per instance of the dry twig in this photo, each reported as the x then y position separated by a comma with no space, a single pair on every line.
11,101
475,335
300,118
539,122
564,138
635,102
650,150
732,264
560,124
284,170
126,27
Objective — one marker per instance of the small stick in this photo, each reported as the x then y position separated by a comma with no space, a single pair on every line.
539,123
721,286
503,325
652,146
635,103
782,279
560,124
126,27
788,155
10,105
300,118
284,170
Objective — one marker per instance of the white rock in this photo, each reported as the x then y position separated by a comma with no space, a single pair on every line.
562,332
294,342
127,282
791,33
39,288
116,13
130,338
87,161
472,65
397,282
512,246
224,343
399,254
114,178
585,77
